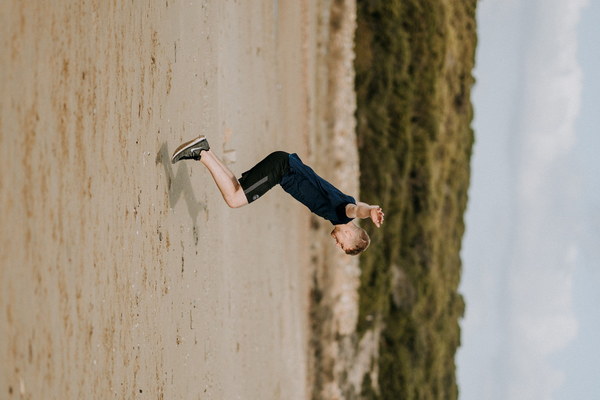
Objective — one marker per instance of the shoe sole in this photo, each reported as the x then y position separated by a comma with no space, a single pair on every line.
184,146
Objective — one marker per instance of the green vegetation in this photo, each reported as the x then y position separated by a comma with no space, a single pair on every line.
413,80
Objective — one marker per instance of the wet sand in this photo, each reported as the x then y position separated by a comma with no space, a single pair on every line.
122,276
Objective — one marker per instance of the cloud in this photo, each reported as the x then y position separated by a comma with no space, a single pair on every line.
552,86
540,284
522,245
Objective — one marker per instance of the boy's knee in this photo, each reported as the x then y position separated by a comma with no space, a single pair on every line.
234,204
237,200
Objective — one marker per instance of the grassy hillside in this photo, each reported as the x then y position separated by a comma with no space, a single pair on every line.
413,81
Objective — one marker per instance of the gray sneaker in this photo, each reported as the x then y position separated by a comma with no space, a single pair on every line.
190,150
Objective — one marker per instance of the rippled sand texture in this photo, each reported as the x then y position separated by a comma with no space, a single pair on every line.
122,276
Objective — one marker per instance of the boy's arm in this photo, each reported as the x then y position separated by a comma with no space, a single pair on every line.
364,210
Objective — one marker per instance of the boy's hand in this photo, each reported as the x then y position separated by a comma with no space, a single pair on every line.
377,215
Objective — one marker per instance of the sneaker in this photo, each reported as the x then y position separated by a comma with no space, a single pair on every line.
190,150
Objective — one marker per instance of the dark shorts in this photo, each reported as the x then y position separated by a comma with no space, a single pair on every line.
264,175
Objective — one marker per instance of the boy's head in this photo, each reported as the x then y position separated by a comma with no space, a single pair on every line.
351,238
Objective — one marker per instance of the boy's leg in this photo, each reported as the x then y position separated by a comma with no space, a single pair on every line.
263,176
228,185
253,183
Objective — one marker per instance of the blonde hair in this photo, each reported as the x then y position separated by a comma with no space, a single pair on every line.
361,243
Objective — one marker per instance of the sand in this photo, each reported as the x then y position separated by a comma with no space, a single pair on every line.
122,276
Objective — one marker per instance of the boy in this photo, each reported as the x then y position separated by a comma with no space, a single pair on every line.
296,178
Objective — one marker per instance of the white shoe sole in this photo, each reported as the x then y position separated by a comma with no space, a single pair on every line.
185,145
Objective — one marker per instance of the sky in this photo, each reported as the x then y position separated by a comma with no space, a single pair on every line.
531,263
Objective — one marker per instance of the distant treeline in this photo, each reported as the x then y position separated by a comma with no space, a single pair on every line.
413,80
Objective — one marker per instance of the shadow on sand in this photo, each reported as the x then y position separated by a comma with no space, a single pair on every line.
179,185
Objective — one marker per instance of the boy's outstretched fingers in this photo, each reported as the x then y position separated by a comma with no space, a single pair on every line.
377,216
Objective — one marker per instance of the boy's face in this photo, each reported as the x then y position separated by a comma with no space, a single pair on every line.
343,239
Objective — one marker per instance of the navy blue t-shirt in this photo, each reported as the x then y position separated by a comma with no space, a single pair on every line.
320,196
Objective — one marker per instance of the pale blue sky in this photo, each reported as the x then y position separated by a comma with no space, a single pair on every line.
531,269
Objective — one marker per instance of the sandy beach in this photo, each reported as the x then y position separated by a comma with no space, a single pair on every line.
123,276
